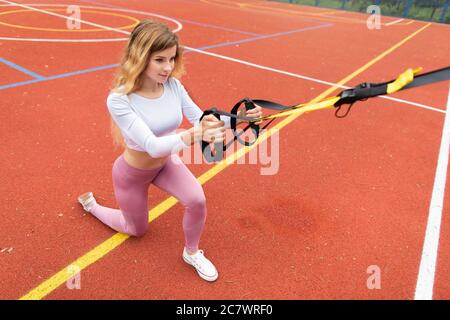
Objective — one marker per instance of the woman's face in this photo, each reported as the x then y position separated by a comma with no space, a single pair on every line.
161,65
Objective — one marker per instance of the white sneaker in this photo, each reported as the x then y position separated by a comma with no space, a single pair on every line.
204,267
87,200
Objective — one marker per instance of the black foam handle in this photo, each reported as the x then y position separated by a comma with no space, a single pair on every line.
255,128
218,146
249,104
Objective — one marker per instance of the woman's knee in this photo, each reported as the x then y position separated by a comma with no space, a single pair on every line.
138,231
197,201
137,228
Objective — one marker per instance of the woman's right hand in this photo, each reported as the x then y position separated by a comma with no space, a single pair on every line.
209,129
212,129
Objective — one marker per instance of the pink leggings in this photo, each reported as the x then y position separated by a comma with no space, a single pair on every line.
131,190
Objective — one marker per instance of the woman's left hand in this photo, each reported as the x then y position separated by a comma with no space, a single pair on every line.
256,112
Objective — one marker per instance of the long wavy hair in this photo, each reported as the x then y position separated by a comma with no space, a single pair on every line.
146,39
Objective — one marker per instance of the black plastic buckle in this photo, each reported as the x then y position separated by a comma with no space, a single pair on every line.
352,95
361,92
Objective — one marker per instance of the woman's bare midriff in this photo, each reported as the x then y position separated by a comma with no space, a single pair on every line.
142,160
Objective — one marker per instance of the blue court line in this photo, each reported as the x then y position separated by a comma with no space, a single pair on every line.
22,69
63,75
74,73
181,20
264,37
58,76
199,23
217,27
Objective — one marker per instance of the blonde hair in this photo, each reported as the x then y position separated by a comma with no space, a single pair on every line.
147,38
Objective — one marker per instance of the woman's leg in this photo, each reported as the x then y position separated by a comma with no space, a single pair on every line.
176,179
131,192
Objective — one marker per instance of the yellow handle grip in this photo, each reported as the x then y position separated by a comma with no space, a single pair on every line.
403,79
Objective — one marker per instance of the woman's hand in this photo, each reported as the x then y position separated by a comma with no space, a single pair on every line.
256,112
212,129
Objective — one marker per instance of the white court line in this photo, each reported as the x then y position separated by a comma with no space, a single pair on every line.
307,78
64,40
227,58
394,22
178,28
65,17
427,269
414,104
425,282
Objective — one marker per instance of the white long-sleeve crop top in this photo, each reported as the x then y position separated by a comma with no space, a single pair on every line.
150,124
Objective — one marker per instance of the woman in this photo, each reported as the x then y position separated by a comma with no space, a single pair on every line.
146,106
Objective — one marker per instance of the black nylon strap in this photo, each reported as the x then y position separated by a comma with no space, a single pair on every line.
361,92
429,77
369,90
249,104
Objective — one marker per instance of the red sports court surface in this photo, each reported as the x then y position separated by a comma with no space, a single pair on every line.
344,196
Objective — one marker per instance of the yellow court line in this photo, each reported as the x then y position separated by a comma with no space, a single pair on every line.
315,15
136,21
327,12
264,9
110,244
403,23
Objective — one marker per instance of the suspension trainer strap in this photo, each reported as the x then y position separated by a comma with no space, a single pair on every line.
408,79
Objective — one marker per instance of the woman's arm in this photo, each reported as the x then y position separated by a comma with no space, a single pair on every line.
191,135
193,113
136,129
190,109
